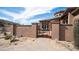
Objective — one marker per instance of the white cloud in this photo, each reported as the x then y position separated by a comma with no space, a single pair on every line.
29,12
9,13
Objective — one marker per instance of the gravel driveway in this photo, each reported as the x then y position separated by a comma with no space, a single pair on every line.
32,44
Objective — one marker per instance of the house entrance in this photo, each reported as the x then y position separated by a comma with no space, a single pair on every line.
44,29
44,34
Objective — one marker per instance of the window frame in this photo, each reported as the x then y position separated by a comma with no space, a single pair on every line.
45,27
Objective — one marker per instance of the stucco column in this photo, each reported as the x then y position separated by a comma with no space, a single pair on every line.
41,26
70,18
14,29
61,21
35,30
55,31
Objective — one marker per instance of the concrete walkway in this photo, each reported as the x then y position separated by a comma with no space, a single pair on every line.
34,44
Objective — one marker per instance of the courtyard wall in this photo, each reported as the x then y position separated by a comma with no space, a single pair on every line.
66,32
55,31
27,31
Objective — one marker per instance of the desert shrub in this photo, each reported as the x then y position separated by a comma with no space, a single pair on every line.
13,40
10,37
7,36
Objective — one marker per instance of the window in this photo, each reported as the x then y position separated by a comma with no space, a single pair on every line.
45,27
56,15
60,14
65,21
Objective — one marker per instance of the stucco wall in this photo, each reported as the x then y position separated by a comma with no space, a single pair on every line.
66,32
55,31
75,18
70,18
27,31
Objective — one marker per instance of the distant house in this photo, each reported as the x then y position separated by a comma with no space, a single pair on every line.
59,14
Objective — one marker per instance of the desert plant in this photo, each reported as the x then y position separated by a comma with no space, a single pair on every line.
7,36
13,39
10,37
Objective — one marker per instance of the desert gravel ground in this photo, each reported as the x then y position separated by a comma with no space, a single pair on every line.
35,44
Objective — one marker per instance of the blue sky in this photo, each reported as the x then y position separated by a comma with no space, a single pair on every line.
28,15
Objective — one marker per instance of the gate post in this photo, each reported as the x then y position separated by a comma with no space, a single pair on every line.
35,30
55,31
